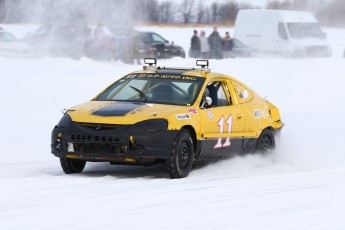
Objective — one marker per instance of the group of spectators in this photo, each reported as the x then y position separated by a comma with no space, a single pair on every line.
211,47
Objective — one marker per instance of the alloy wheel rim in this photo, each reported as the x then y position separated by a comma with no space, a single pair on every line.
266,144
183,156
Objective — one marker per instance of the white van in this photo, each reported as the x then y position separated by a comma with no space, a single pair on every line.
282,32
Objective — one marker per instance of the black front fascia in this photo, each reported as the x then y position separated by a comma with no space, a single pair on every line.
150,139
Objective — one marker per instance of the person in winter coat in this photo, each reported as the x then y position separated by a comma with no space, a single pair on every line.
204,47
227,45
101,42
195,45
215,42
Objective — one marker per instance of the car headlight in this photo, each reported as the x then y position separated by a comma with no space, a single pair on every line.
65,122
152,125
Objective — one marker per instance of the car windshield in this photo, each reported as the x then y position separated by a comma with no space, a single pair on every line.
7,37
237,43
302,30
157,38
154,88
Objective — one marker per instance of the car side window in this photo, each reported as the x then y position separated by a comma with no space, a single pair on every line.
215,90
243,93
42,31
237,44
157,38
222,99
282,31
146,38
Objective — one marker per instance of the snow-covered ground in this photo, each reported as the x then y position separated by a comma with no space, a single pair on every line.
300,186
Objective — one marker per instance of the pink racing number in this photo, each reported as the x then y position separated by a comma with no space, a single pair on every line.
220,123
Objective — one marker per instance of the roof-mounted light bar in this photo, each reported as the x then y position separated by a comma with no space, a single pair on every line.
202,63
150,61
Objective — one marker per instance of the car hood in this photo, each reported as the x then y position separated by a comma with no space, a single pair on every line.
12,48
106,112
172,46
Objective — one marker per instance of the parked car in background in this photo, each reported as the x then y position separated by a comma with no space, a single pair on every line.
128,45
282,32
10,46
124,44
238,49
158,47
63,40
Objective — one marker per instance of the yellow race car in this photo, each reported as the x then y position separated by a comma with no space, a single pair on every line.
166,115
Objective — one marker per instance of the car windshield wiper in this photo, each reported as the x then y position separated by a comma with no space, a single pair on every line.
142,94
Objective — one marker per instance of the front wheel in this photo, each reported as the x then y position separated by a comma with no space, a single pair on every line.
70,166
182,155
265,142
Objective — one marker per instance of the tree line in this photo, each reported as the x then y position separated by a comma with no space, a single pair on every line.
154,11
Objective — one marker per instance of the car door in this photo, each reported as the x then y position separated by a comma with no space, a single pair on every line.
160,44
281,42
222,123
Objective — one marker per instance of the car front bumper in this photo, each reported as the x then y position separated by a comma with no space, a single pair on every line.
141,143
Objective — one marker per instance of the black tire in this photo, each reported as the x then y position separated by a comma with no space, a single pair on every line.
182,155
265,142
70,166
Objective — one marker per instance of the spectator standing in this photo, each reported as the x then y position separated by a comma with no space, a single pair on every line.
227,45
195,45
101,42
99,33
204,47
74,47
134,54
215,42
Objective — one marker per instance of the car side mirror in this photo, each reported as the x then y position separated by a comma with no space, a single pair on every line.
206,103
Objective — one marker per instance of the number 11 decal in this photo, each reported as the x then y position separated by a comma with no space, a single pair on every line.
220,123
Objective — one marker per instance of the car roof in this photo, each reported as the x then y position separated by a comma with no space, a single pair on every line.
197,72
201,70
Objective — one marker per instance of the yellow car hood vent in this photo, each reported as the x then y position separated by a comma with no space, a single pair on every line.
117,109
102,112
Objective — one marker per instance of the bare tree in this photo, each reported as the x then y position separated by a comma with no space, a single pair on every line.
333,14
2,10
119,12
228,11
166,11
299,4
200,12
215,12
153,11
276,4
187,8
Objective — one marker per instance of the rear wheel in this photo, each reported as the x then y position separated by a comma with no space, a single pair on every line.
182,155
265,142
71,165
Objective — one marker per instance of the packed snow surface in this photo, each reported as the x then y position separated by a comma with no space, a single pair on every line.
300,186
